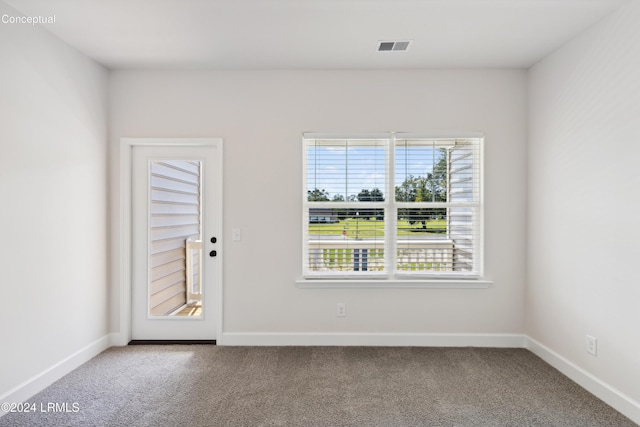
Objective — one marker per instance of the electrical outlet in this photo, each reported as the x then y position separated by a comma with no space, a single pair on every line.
592,345
342,309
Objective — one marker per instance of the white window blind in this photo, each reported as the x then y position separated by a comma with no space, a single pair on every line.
344,206
392,205
438,206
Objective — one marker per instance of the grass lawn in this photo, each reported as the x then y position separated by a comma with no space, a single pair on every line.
363,229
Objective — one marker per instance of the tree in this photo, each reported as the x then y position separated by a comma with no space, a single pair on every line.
364,196
436,181
317,195
374,195
411,189
429,188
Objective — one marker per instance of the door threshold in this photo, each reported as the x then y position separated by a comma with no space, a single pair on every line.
172,342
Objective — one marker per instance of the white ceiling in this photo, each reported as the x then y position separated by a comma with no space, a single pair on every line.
324,34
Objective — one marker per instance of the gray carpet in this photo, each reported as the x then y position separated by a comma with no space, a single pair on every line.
316,386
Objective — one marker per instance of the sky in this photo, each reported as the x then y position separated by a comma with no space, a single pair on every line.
347,171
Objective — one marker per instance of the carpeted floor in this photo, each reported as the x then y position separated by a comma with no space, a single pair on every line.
203,385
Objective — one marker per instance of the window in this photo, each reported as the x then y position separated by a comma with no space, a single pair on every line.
392,206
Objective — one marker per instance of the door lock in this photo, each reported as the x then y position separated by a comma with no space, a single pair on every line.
213,253
213,240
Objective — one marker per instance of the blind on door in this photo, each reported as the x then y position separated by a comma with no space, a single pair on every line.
174,209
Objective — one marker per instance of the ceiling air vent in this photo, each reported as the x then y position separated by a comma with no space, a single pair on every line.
393,46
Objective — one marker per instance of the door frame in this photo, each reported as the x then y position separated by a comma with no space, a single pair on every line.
126,151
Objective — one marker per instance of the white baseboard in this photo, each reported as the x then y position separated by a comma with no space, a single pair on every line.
616,399
39,382
372,339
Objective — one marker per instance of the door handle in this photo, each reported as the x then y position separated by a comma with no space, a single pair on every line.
213,253
213,240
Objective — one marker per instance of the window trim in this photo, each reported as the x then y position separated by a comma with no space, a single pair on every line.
426,283
391,277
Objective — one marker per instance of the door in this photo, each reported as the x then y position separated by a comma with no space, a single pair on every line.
175,241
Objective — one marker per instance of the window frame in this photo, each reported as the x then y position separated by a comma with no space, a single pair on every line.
391,276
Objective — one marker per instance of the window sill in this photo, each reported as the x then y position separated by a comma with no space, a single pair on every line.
393,284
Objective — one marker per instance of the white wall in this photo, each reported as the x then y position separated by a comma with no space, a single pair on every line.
53,179
261,116
582,214
584,204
